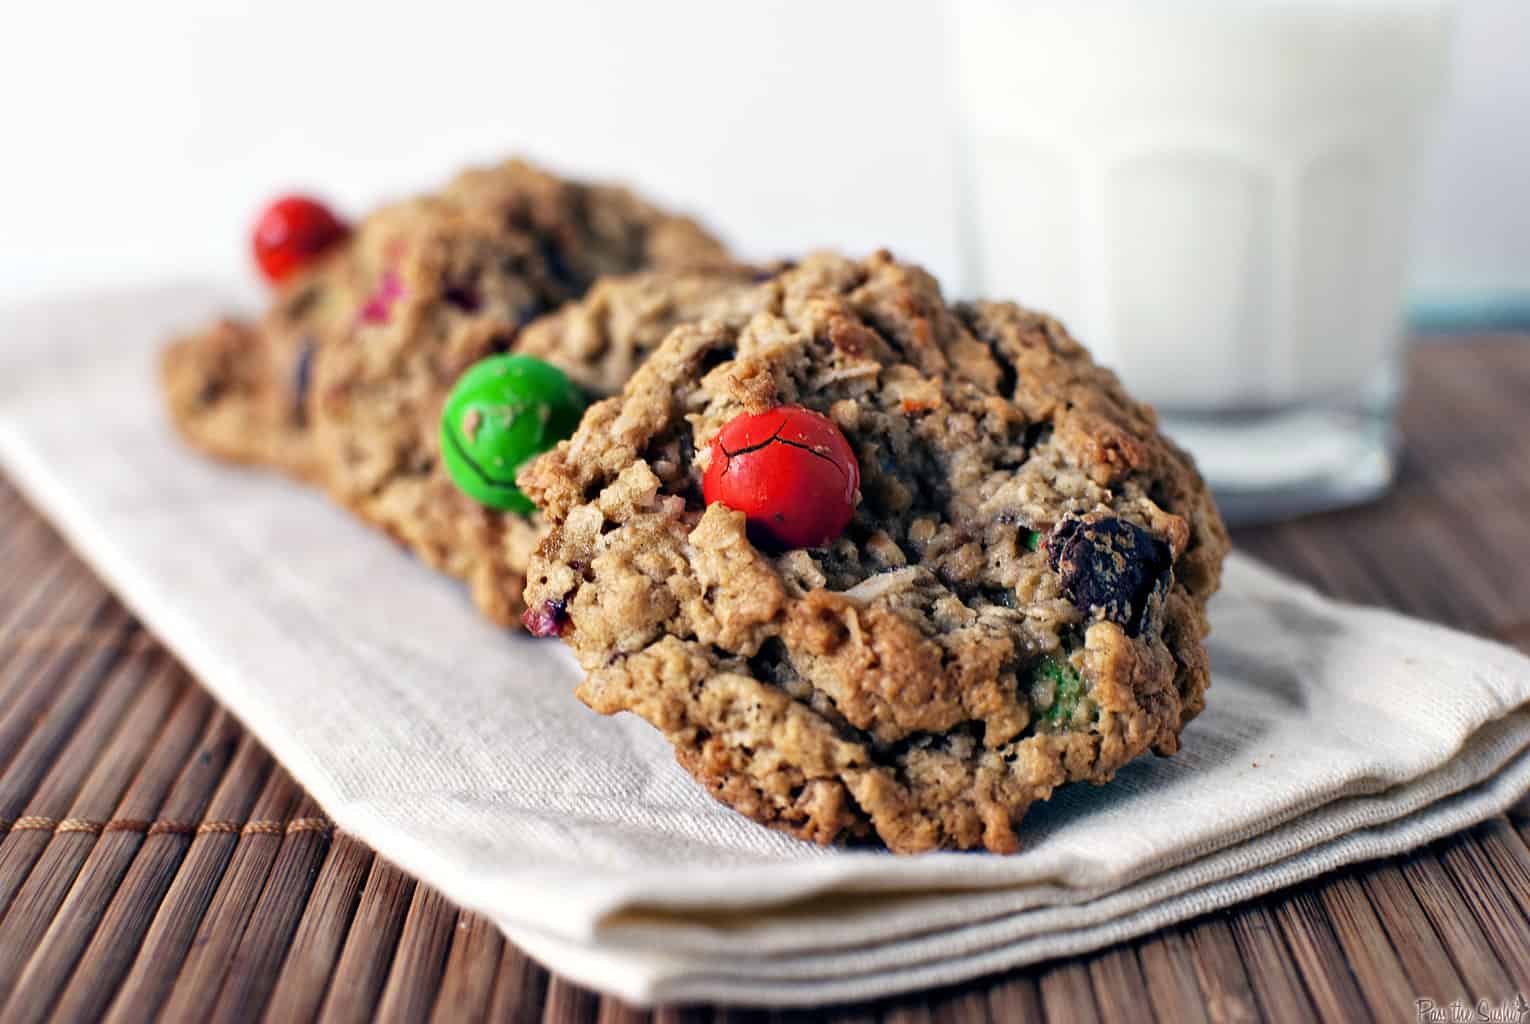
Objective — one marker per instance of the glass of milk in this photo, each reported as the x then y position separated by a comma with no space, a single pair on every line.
1214,197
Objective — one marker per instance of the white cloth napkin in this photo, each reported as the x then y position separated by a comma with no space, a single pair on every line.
1333,733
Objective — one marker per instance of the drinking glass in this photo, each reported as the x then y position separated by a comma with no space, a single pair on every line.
1215,198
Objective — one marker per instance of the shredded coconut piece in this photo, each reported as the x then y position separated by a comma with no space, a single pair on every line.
873,587
847,373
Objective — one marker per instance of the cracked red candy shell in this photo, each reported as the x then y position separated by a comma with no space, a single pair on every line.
790,471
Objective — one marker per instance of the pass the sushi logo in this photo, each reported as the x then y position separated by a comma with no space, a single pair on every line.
1483,1011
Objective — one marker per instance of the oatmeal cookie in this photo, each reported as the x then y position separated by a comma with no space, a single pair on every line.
342,381
238,389
1018,600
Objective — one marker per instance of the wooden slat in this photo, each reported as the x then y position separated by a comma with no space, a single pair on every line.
1225,986
1066,991
38,578
1463,936
1016,997
467,985
1492,905
216,906
1430,970
567,1003
1168,968
222,870
520,988
89,777
35,671
965,1005
81,681
304,980
120,935
1506,851
364,963
76,874
1120,989
1323,967
420,959
25,592
112,859
1367,948
1272,970
670,1015
272,919
614,1011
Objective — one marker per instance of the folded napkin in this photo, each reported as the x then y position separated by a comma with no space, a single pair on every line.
1332,734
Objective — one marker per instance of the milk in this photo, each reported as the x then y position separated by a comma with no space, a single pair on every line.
1213,196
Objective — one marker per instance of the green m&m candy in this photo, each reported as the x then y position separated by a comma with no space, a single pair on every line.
502,411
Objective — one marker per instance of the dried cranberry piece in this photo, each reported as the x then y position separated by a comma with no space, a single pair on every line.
378,309
547,619
1110,564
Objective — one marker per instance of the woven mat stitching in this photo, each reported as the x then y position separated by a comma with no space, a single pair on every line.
257,826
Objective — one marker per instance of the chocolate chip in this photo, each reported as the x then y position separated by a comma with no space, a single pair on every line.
1035,434
302,374
1110,565
558,269
463,297
547,619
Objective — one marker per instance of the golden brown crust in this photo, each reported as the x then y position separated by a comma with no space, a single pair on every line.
1018,602
601,340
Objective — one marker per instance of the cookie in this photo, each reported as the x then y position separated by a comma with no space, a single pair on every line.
342,381
238,389
1018,599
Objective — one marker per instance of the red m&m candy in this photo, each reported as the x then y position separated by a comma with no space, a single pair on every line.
293,232
790,471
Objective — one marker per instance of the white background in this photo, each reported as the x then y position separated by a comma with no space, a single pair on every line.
136,139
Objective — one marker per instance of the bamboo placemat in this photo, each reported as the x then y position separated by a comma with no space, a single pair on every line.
154,859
